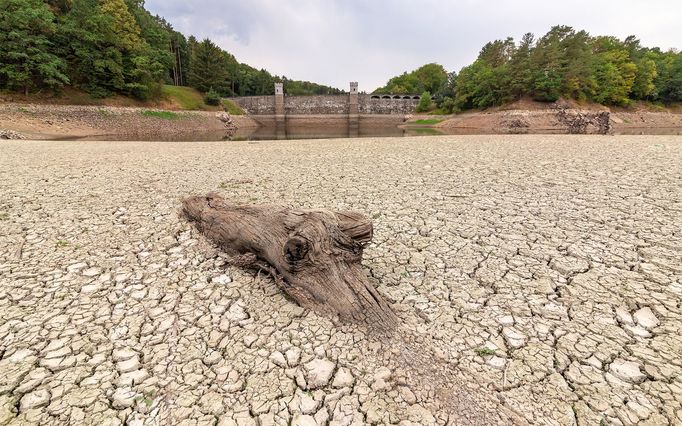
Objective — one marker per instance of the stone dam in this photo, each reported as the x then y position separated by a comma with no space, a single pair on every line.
352,109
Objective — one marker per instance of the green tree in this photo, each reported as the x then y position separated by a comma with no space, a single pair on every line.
571,64
546,61
498,52
613,71
429,77
576,66
212,97
209,68
106,53
519,67
304,88
158,36
59,6
479,86
425,102
178,71
643,87
447,90
448,105
488,81
27,61
672,90
122,25
95,64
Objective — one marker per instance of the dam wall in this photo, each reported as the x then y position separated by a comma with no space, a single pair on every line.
350,103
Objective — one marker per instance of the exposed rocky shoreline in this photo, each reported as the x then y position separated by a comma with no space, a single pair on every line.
561,118
44,121
37,121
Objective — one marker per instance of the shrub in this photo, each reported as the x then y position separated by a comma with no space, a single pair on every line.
448,105
424,103
483,351
212,98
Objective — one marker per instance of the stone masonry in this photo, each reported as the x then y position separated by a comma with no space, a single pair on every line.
352,103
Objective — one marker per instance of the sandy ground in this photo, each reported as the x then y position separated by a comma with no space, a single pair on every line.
538,281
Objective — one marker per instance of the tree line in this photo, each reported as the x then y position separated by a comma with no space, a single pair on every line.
564,63
107,47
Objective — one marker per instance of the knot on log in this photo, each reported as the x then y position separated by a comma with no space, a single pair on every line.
314,255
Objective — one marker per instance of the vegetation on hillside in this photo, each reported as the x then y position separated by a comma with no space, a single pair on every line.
427,78
425,102
185,98
165,115
116,47
231,107
564,63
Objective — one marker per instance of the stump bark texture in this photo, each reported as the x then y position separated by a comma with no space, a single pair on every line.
314,255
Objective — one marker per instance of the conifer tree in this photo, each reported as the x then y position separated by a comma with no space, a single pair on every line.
27,61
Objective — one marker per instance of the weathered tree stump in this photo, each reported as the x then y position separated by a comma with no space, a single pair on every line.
314,255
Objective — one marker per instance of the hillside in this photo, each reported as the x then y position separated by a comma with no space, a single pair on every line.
562,64
427,78
563,116
173,98
113,48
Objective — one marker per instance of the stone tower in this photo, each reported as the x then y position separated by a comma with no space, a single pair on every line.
279,103
279,99
353,97
353,110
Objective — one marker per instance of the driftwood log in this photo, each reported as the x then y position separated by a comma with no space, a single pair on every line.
313,255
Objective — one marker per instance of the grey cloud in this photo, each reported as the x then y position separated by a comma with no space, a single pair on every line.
336,41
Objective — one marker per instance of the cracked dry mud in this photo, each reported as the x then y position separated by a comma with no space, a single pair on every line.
538,280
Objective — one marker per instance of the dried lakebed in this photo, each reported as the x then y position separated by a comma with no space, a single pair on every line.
537,278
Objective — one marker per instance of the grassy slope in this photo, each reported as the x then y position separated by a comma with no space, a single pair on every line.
71,96
173,98
232,107
184,98
428,121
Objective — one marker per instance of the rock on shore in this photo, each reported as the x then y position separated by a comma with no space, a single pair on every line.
10,134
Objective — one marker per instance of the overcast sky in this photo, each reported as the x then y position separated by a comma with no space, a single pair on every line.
337,41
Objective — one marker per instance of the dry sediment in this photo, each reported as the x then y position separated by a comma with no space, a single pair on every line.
537,280
45,121
561,119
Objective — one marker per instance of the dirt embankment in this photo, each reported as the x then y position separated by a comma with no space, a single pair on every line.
562,117
36,121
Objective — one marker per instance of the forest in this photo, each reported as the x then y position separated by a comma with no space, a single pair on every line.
564,63
107,47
